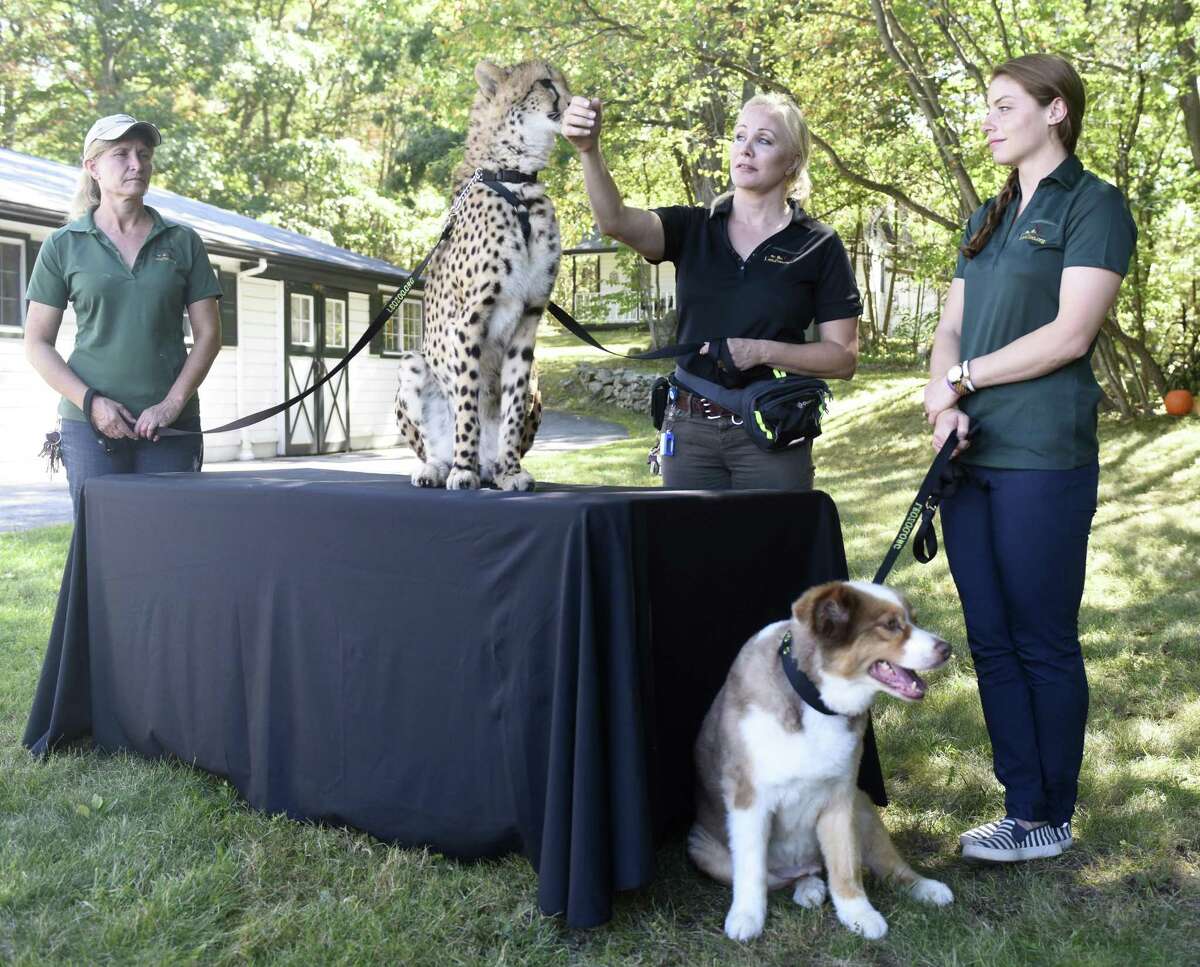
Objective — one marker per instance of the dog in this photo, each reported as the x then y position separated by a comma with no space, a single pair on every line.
776,796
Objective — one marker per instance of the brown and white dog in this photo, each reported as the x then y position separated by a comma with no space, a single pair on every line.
777,795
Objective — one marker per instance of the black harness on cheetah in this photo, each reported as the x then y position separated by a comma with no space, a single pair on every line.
494,180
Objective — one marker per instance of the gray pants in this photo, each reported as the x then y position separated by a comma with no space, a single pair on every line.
719,455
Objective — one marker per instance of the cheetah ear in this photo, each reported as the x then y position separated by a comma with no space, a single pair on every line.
488,76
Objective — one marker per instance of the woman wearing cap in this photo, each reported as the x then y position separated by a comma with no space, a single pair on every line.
1039,268
130,274
752,268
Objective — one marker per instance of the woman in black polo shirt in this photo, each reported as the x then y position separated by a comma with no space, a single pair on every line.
1039,268
752,268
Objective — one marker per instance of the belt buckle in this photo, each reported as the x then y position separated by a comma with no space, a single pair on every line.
704,405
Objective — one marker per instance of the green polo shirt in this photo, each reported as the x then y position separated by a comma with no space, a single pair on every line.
1012,288
129,322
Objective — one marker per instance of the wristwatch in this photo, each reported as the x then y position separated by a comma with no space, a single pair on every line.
959,378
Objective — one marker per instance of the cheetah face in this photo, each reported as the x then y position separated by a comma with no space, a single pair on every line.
518,111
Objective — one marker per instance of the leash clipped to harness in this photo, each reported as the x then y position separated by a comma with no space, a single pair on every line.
364,340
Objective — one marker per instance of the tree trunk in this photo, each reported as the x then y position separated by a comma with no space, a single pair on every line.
1110,373
1189,96
945,138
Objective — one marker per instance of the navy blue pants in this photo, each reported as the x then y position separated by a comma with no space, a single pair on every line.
86,455
1017,545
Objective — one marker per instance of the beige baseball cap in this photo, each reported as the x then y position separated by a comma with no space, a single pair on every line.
116,126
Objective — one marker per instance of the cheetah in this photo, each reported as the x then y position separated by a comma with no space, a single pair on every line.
468,404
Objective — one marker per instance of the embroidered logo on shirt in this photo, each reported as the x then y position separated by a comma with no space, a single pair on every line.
786,259
163,257
1031,235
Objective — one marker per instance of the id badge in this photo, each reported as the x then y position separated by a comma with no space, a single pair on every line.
666,445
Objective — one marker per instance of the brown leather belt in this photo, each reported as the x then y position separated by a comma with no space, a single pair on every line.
691,403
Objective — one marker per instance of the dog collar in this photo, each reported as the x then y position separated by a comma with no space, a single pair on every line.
802,684
508,174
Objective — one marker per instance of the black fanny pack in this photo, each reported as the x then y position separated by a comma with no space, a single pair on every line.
776,413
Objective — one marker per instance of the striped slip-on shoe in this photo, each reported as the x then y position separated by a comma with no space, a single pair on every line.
1010,842
979,832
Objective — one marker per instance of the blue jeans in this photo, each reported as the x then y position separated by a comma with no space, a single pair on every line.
85,455
1017,545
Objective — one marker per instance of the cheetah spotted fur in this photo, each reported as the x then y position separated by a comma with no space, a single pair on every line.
468,404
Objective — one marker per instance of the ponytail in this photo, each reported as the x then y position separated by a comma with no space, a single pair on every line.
995,213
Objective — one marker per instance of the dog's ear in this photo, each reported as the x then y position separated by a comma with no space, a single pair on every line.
828,610
488,76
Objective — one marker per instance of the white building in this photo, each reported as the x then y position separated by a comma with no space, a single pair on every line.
291,309
598,290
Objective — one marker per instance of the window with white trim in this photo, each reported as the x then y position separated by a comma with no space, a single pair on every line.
335,324
12,283
404,331
302,319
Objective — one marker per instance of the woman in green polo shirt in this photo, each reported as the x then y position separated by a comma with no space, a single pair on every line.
129,273
1039,268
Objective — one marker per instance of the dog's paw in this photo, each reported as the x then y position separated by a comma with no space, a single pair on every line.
859,916
810,892
514,480
429,475
745,924
459,479
931,891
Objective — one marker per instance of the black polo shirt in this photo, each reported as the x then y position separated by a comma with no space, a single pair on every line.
798,276
1012,288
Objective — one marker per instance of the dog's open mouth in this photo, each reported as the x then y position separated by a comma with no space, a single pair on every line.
903,682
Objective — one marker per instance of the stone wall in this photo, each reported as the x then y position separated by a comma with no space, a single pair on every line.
627,388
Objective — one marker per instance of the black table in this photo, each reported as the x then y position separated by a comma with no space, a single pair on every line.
481,672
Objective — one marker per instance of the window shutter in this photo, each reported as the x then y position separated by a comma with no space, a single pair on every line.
31,253
228,305
376,308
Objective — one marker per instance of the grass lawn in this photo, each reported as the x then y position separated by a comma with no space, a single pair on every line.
120,860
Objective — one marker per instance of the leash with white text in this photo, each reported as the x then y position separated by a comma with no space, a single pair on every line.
939,482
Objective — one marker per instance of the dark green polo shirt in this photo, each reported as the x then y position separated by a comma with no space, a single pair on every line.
1012,288
798,276
129,322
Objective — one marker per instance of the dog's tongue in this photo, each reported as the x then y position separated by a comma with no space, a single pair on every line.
901,680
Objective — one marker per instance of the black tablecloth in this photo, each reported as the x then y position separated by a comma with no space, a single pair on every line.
481,672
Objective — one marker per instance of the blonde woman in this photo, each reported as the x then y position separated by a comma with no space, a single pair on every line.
754,269
129,273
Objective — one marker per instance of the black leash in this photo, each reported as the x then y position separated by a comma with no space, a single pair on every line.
939,482
377,324
493,180
664,352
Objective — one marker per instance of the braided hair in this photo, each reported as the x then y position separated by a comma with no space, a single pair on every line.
1044,77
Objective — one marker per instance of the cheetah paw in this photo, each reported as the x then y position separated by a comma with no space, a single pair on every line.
460,479
429,475
518,480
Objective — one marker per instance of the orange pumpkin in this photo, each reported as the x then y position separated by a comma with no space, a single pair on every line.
1179,402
